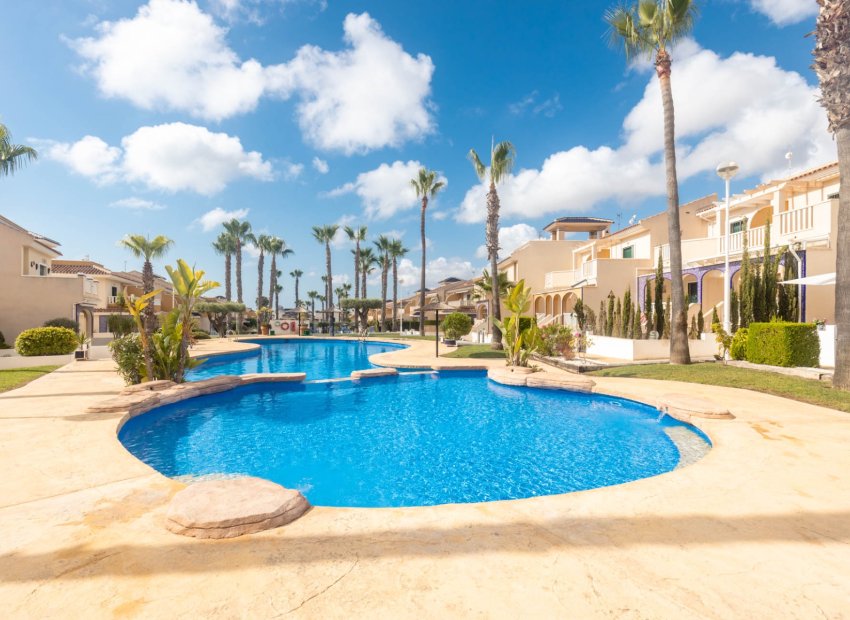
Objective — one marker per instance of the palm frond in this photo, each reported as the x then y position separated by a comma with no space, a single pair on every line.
503,161
480,168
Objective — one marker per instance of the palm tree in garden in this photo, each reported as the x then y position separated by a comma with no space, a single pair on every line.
263,245
13,156
356,235
325,234
368,260
397,251
297,273
383,245
313,295
149,249
649,28
426,186
277,247
278,288
241,234
224,246
501,161
484,287
832,64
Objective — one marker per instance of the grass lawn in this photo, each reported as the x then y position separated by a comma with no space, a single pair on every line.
16,377
805,390
476,351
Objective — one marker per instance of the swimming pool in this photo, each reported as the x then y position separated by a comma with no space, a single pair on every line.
320,359
412,440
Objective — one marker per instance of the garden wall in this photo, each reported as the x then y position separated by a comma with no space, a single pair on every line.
633,350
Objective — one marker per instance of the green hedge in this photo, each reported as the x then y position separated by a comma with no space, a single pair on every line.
46,341
738,348
63,322
783,344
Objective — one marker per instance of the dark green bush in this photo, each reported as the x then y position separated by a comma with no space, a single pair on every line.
456,325
200,335
525,322
783,344
127,353
120,325
46,341
3,344
738,349
63,322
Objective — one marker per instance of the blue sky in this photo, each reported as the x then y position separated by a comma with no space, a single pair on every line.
165,117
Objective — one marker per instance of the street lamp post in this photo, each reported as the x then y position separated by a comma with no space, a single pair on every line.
726,172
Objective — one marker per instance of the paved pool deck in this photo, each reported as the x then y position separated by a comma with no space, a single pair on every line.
760,528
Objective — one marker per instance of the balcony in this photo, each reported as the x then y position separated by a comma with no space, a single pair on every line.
559,279
90,289
115,300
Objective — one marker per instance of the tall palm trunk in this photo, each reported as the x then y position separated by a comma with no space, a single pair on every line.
329,294
357,279
273,282
228,274
260,264
363,275
147,285
385,266
493,251
395,326
422,270
841,379
297,301
239,284
679,351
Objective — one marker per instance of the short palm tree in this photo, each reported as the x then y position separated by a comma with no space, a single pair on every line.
313,295
277,247
263,245
484,287
189,286
225,246
648,28
13,156
397,251
426,186
241,234
368,261
356,235
383,245
832,64
501,161
325,234
149,249
297,273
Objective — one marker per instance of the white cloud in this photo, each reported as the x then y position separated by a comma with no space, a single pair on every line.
90,156
253,11
530,103
743,108
320,165
292,170
436,270
172,157
386,190
370,95
137,204
785,12
216,217
510,238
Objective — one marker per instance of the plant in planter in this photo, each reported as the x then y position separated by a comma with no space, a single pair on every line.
518,344
82,353
455,326
264,315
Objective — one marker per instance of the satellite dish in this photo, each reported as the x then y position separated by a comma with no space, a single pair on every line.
632,220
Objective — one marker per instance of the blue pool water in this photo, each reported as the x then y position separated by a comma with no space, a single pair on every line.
410,440
320,359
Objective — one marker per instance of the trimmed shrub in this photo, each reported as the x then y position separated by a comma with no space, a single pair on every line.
127,353
738,348
46,341
120,324
63,322
456,325
783,344
199,334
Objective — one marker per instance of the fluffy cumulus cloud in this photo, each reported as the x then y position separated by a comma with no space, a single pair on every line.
743,107
372,94
510,238
436,270
785,12
386,190
171,157
216,217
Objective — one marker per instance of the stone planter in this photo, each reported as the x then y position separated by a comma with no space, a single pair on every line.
81,355
264,329
520,370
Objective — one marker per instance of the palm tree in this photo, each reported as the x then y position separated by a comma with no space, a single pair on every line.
241,234
13,156
426,186
149,249
313,295
277,247
263,244
356,235
484,287
278,288
297,273
368,260
383,245
397,251
833,69
649,28
224,246
501,161
325,234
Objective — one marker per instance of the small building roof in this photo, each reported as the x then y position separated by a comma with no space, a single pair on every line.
579,224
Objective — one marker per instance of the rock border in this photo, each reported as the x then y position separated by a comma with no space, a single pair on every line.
684,407
575,383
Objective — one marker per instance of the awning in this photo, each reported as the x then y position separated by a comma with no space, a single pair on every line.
824,279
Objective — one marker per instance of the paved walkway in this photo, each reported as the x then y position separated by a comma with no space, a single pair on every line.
760,528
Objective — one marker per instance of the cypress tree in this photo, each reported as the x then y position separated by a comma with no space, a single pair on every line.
647,308
617,331
659,297
636,331
758,297
714,318
700,321
693,332
733,311
578,311
769,277
627,313
609,321
666,332
600,319
746,284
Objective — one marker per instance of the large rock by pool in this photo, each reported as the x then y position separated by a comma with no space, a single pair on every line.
232,507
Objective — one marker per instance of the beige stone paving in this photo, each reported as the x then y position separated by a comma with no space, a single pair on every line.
760,528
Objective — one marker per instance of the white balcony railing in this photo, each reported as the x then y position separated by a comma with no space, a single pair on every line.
114,300
559,279
589,269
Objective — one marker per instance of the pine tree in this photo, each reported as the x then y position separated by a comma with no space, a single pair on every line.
617,331
600,319
714,318
609,321
659,297
636,330
733,311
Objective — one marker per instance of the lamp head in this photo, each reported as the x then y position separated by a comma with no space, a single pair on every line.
727,171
